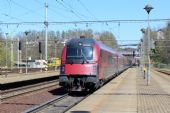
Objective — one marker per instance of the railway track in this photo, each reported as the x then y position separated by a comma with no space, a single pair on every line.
27,89
59,104
6,71
163,71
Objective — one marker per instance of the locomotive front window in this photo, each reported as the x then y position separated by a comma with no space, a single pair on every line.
87,52
79,54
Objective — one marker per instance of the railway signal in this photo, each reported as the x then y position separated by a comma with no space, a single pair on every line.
20,45
39,45
133,54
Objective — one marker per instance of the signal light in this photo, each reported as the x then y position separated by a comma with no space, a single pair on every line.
40,47
82,36
133,54
20,45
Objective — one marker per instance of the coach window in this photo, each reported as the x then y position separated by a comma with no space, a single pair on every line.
110,59
101,54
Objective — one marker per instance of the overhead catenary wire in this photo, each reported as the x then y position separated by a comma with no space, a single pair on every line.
8,15
25,8
9,3
82,4
85,22
51,8
11,17
64,7
18,17
75,11
69,8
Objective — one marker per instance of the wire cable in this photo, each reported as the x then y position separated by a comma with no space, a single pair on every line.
69,8
81,3
73,9
89,22
51,8
11,17
23,7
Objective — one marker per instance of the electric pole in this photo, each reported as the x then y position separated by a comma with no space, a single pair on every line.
46,30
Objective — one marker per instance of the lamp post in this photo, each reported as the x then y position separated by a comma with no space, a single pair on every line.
148,8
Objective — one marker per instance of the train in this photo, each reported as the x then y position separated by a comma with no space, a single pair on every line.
86,64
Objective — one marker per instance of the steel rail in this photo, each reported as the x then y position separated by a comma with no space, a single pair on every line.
38,108
27,89
53,102
161,71
74,104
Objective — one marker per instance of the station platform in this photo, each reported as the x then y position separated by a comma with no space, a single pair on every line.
129,93
18,77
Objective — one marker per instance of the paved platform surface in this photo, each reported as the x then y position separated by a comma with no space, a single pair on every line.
11,78
129,93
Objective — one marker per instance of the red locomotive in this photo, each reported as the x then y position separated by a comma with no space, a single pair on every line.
86,64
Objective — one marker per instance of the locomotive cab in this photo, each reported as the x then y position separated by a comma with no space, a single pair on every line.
79,70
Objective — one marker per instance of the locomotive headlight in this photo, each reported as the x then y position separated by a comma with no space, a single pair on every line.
62,69
95,69
80,44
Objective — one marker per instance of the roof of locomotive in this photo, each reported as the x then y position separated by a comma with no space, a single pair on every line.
105,47
91,41
76,41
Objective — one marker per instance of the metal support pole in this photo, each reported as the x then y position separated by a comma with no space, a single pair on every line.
12,53
148,8
46,31
55,51
18,60
41,59
6,50
19,56
26,68
148,69
143,58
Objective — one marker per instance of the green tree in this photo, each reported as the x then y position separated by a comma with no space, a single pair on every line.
109,39
2,53
165,48
161,52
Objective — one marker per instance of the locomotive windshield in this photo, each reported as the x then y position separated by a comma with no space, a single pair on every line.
79,54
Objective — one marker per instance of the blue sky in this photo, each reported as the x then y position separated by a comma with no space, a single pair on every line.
84,10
